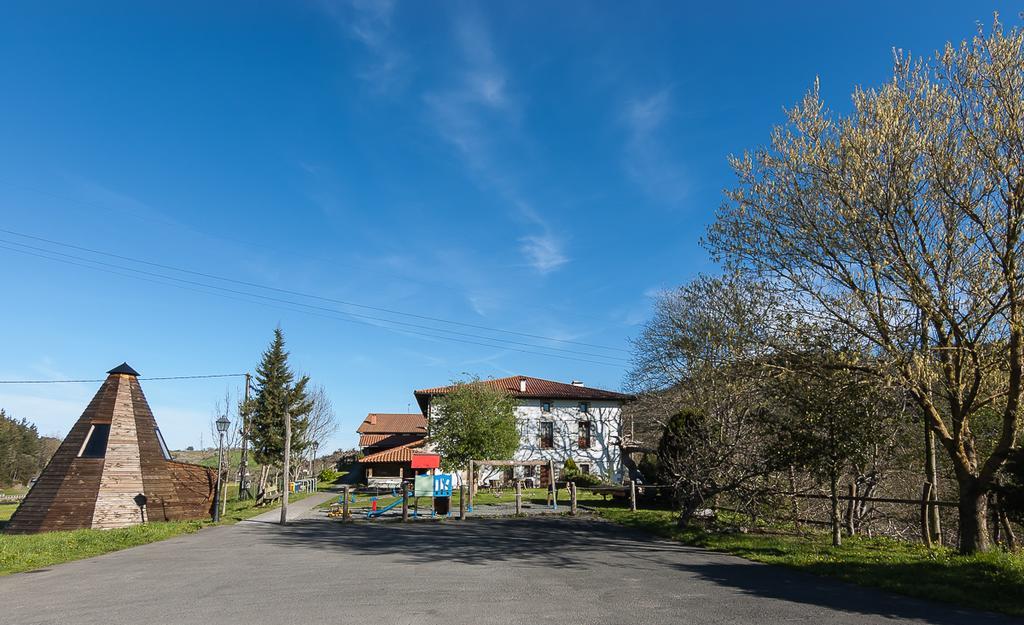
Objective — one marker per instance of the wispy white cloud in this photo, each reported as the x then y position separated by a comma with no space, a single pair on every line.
370,23
648,162
480,116
543,252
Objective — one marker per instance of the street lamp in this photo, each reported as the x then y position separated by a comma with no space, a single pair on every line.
222,426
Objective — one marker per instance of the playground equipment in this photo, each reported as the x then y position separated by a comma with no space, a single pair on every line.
375,512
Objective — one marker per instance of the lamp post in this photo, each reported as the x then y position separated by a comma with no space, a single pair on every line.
222,426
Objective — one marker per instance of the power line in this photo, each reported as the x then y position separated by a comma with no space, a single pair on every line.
379,320
215,290
309,295
172,377
250,244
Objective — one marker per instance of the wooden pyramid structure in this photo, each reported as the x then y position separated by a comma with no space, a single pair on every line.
114,470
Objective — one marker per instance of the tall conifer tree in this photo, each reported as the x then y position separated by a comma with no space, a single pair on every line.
276,389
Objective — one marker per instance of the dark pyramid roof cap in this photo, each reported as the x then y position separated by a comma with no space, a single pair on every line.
124,368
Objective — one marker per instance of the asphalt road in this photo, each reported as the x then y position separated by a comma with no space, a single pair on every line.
480,572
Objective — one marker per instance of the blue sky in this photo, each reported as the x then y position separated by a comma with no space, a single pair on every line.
538,168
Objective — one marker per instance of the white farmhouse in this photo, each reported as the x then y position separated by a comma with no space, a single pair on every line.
557,421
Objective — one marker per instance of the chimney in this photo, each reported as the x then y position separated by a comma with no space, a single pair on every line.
372,419
522,385
577,382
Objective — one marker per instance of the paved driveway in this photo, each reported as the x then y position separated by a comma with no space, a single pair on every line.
486,571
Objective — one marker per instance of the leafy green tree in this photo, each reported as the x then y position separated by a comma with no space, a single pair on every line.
277,390
21,450
474,421
902,221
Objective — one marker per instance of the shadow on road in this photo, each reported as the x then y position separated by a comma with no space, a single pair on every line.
582,542
775,582
542,541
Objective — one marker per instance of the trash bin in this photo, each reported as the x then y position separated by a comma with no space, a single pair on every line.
442,505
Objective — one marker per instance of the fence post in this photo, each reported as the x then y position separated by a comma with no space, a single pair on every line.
794,500
572,498
344,504
632,495
852,492
926,534
462,502
405,504
519,497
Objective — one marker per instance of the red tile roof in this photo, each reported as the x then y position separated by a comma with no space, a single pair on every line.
387,440
535,388
402,453
386,423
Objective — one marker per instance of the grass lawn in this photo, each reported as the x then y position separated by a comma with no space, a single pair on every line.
484,497
25,552
991,581
6,510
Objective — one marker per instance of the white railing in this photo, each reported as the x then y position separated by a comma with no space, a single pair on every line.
308,485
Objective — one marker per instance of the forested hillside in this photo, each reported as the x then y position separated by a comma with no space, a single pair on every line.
23,452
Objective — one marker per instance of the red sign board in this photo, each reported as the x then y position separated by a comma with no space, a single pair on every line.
426,461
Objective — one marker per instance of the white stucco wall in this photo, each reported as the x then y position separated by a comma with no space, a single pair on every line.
605,418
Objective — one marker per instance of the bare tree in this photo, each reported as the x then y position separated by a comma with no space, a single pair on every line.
698,363
322,422
903,222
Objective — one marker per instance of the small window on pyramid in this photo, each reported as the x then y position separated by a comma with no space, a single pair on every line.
95,445
163,445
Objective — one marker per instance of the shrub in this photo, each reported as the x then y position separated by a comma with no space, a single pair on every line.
570,469
328,475
587,479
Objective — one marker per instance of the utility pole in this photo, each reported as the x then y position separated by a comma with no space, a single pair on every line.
243,465
287,468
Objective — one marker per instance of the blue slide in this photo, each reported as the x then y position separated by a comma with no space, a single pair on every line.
379,511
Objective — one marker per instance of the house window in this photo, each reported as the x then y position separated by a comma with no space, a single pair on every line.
584,438
584,406
547,434
529,470
584,468
545,407
163,445
95,445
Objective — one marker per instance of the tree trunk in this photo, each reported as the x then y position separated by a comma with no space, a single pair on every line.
837,534
264,473
973,508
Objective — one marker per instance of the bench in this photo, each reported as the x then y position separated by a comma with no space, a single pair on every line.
267,497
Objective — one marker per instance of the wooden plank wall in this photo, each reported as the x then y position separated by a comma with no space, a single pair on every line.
78,493
64,496
121,480
174,491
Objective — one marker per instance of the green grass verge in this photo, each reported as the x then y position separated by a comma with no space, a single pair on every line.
32,551
6,510
25,552
989,581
